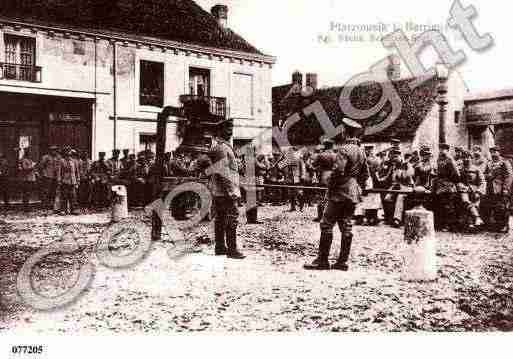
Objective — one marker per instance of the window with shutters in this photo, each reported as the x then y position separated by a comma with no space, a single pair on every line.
151,90
20,59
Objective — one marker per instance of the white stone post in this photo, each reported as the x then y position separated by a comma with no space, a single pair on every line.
119,204
419,255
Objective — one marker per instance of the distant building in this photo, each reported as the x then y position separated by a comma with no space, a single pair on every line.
489,119
417,123
70,71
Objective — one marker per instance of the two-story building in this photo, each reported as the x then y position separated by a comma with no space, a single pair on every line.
95,76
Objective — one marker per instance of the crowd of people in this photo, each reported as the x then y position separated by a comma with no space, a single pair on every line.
66,180
465,189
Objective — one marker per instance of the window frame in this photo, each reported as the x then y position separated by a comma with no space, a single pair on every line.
162,94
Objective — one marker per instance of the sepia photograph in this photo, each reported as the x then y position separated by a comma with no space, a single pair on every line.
281,172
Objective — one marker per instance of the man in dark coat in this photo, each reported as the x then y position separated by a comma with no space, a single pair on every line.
499,177
344,192
445,191
324,162
4,179
225,187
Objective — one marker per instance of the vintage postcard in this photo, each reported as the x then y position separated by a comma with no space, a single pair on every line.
235,167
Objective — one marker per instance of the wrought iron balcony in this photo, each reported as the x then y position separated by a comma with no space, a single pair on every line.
201,106
20,72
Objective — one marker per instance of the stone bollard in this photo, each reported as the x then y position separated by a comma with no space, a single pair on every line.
420,262
119,203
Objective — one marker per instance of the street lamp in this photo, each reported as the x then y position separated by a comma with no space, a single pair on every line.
442,74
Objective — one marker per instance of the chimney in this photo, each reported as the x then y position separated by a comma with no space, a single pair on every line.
297,79
394,67
220,12
311,80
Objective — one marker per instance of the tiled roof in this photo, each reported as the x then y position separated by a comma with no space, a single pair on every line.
177,20
416,104
490,95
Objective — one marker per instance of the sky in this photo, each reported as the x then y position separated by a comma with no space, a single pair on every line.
290,30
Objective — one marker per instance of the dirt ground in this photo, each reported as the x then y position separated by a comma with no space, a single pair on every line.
269,291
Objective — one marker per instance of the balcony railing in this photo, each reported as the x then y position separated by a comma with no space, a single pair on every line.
200,105
20,72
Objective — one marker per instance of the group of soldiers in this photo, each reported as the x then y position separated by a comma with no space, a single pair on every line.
66,180
465,189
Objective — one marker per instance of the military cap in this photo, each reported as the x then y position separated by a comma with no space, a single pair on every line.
116,151
424,151
466,154
395,152
477,149
459,148
126,150
53,148
495,149
328,141
395,142
444,146
102,153
351,123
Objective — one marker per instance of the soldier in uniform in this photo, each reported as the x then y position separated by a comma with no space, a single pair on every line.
478,159
471,190
100,178
324,162
48,167
400,177
138,183
275,178
445,189
68,179
371,202
4,179
225,189
27,169
114,165
84,188
261,167
125,159
344,192
499,177
293,173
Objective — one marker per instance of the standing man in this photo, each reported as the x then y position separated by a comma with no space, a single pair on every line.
225,187
114,165
125,159
84,189
499,177
344,192
448,175
324,163
68,179
100,174
48,167
4,179
27,169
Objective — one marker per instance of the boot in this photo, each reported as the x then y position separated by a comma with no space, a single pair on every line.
321,262
231,241
220,249
478,222
345,249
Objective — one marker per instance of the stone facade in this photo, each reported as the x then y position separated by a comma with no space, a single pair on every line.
80,65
